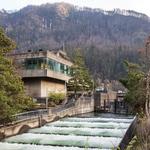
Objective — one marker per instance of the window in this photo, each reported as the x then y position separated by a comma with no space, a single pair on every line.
46,63
51,64
62,68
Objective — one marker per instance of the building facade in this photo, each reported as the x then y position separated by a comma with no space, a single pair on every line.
43,72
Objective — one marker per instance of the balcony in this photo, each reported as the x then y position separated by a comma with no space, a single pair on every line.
44,73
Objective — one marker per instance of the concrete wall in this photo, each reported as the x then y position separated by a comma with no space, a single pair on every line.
81,106
40,87
128,135
51,86
112,95
35,73
33,87
101,97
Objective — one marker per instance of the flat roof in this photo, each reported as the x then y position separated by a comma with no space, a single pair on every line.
59,56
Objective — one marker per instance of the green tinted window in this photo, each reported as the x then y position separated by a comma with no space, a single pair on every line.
46,63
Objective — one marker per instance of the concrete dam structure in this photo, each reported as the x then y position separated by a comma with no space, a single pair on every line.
92,131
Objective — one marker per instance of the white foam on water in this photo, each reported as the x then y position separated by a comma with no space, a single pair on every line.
80,131
69,140
10,146
89,124
104,115
98,119
73,133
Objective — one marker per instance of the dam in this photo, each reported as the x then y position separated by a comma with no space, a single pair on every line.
90,131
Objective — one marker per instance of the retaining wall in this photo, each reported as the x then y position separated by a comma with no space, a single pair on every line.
83,105
128,135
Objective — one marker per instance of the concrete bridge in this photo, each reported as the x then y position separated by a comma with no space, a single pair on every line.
33,120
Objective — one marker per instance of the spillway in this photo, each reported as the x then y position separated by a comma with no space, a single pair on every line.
84,132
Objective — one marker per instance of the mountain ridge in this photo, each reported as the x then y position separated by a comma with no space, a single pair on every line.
106,38
124,12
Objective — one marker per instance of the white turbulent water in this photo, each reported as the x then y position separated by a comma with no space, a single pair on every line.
80,131
99,119
85,124
9,146
73,133
70,140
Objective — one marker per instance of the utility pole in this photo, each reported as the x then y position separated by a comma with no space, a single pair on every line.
147,101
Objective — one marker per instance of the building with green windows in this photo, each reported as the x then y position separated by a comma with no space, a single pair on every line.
43,71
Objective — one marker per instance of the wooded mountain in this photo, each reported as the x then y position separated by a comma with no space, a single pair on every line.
106,38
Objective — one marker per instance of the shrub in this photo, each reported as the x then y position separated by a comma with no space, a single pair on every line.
57,98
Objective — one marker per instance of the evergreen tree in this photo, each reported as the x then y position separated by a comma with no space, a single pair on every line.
12,96
135,83
81,80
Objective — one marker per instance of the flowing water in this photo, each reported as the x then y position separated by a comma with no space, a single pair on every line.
84,132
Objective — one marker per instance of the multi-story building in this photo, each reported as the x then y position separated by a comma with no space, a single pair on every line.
43,71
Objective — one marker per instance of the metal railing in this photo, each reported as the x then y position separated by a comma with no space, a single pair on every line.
30,114
63,107
38,113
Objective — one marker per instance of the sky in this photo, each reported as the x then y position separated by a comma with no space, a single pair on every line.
142,6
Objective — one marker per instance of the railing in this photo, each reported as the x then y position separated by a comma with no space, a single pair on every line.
63,107
38,113
26,116
30,114
86,98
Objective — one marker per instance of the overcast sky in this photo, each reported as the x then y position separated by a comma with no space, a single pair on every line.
142,6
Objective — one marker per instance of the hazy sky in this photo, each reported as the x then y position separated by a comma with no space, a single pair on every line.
137,5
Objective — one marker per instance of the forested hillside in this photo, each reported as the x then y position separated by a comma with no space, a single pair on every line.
106,38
